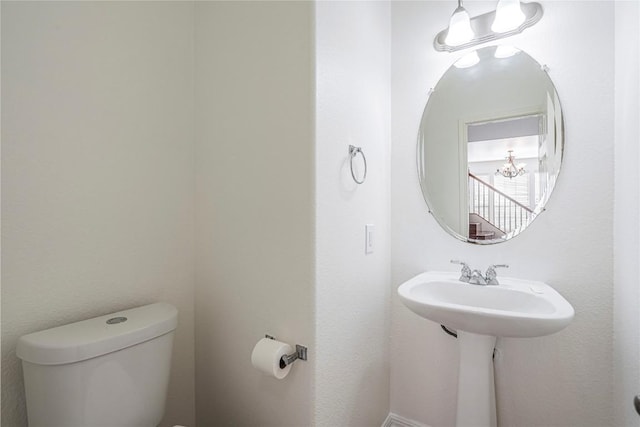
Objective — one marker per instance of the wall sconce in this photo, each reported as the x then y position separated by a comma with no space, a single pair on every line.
459,30
510,17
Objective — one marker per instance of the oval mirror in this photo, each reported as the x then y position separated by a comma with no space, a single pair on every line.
490,145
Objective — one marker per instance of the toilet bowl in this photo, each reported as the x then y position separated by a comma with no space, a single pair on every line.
107,371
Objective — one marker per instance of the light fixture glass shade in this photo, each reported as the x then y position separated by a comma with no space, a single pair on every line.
509,16
460,30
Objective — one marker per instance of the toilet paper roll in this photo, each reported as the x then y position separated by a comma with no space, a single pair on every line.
266,357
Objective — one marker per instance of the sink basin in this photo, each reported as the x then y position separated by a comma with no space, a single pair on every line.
515,308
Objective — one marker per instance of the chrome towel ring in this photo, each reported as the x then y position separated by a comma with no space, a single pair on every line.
353,151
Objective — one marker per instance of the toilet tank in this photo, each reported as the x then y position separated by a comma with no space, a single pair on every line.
109,371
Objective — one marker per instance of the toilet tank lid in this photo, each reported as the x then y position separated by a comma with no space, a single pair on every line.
98,336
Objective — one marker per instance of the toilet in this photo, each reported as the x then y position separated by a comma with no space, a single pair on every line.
107,371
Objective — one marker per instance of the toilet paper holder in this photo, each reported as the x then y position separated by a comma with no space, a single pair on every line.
288,359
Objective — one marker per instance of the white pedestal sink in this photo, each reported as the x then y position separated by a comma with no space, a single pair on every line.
515,308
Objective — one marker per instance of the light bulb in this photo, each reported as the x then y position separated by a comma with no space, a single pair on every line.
509,16
460,30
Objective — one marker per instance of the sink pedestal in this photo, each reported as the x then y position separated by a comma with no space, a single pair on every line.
476,387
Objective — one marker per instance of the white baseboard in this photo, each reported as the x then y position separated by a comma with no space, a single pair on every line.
394,420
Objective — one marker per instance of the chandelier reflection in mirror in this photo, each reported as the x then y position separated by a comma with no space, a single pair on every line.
509,169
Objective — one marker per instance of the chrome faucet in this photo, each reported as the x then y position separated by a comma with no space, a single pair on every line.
465,273
475,277
491,277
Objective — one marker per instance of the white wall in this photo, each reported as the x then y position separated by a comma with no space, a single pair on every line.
97,174
255,197
559,380
352,288
626,348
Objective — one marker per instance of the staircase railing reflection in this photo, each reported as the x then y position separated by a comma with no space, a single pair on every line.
501,210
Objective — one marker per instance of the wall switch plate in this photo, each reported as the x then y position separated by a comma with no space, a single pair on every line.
368,238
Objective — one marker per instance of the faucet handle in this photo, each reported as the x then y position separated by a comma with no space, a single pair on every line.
491,274
465,274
